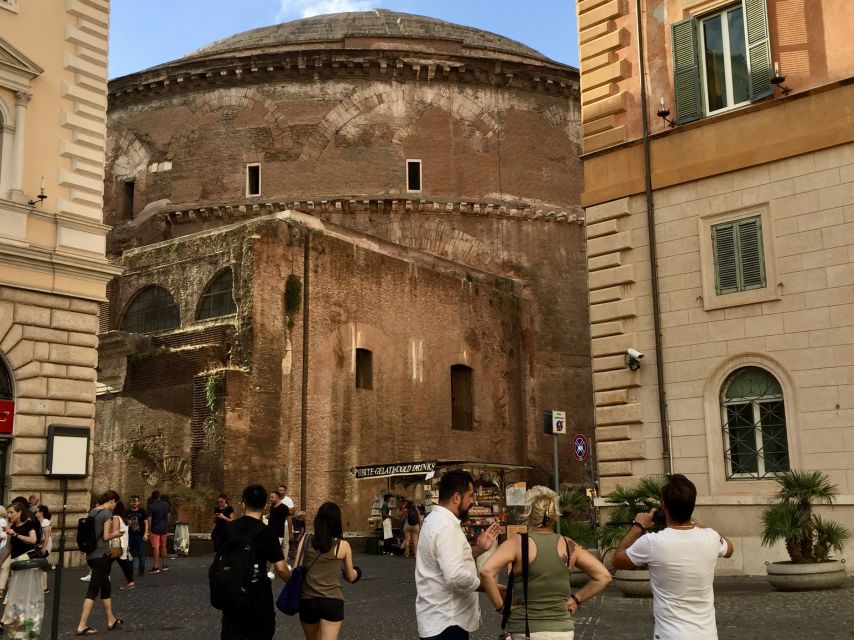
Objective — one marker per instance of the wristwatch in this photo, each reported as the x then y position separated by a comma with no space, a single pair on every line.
642,528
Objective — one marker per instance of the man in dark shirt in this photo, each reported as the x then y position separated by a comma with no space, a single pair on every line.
137,520
279,513
258,620
158,525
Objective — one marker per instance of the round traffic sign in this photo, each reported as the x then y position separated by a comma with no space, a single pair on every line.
580,446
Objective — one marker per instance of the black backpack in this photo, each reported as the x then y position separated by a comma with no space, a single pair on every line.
234,569
411,516
87,538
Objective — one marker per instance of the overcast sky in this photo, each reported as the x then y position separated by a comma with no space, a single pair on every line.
144,33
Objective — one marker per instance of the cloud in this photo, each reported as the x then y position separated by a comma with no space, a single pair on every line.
291,9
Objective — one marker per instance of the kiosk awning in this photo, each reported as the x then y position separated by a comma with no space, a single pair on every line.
424,467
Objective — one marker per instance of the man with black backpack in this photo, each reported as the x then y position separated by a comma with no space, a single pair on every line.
239,584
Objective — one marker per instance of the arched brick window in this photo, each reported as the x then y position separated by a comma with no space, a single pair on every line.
153,309
217,301
754,424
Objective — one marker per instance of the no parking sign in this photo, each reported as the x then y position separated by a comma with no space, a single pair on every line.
580,447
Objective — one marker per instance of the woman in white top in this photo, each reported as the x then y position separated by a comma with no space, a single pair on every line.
124,561
43,516
4,568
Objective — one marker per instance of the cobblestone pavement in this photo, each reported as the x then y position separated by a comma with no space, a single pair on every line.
174,605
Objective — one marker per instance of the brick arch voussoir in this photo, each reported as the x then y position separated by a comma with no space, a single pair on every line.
460,105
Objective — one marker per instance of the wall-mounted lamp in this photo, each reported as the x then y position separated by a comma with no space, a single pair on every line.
663,112
41,197
778,80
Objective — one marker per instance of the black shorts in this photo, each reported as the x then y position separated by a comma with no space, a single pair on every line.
313,610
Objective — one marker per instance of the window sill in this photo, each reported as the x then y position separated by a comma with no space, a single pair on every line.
754,296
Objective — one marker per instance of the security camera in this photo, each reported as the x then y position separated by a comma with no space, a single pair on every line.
633,358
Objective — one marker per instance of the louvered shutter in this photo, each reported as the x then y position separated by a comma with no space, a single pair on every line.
726,265
758,48
750,256
686,72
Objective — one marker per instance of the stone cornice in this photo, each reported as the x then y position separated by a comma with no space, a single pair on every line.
192,74
47,261
238,211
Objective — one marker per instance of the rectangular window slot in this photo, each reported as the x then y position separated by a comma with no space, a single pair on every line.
462,398
364,369
253,179
413,176
127,199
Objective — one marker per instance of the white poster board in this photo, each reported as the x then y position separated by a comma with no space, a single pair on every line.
67,451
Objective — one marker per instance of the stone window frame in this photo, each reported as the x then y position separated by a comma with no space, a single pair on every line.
420,175
719,485
771,291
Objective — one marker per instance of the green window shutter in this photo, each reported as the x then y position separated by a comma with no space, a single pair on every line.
758,48
750,258
686,72
726,262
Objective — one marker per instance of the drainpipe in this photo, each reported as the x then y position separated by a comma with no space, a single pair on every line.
303,448
666,449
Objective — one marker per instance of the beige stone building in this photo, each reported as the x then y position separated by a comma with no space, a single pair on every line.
53,271
719,189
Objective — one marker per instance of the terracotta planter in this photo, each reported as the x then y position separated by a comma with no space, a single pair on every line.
633,583
788,576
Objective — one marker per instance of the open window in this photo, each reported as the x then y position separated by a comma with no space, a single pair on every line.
253,179
127,195
721,60
364,369
413,176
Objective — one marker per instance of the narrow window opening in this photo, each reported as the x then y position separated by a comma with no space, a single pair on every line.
413,175
127,199
364,369
462,398
253,179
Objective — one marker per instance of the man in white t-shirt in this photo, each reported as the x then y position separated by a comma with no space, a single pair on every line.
282,490
681,560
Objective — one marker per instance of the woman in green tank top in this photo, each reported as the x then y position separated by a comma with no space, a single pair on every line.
551,558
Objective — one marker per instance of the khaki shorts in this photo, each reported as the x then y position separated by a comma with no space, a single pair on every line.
547,635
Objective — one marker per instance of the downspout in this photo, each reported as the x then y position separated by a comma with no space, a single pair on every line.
303,447
666,449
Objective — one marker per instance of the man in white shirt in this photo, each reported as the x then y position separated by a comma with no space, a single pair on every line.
282,490
446,577
681,560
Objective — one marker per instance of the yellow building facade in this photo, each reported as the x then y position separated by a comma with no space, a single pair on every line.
719,192
53,271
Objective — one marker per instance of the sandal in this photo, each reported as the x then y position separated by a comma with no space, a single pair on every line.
87,631
116,624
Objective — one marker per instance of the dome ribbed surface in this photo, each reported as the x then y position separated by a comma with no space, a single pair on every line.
377,23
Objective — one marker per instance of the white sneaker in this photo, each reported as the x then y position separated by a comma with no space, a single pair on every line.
87,577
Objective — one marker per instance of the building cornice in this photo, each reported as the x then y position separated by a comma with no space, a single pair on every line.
189,75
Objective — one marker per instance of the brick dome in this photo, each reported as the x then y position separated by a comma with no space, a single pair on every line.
376,24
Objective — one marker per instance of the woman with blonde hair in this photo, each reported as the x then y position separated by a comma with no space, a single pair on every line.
548,610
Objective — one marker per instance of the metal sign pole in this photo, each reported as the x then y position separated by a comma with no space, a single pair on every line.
557,483
57,582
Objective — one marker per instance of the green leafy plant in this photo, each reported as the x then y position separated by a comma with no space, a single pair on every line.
628,501
807,536
574,512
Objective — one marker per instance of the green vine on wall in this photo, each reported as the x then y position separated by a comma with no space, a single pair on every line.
215,400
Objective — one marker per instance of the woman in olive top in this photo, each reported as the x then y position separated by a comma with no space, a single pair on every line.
321,610
551,558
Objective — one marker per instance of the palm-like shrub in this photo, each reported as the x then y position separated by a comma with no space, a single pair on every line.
808,537
574,514
644,496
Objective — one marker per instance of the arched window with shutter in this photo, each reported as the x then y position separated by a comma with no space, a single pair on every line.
152,309
217,300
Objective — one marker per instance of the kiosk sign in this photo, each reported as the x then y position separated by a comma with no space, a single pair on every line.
388,470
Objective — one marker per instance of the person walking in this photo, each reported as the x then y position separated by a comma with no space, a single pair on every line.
258,620
282,490
411,528
4,540
279,514
158,525
223,514
99,562
137,521
124,561
551,558
326,556
446,578
43,517
681,560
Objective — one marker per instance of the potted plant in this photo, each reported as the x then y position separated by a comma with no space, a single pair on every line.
575,508
809,539
628,501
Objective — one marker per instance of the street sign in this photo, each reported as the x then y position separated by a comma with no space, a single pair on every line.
559,422
581,447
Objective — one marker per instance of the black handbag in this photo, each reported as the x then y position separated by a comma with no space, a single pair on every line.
508,595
